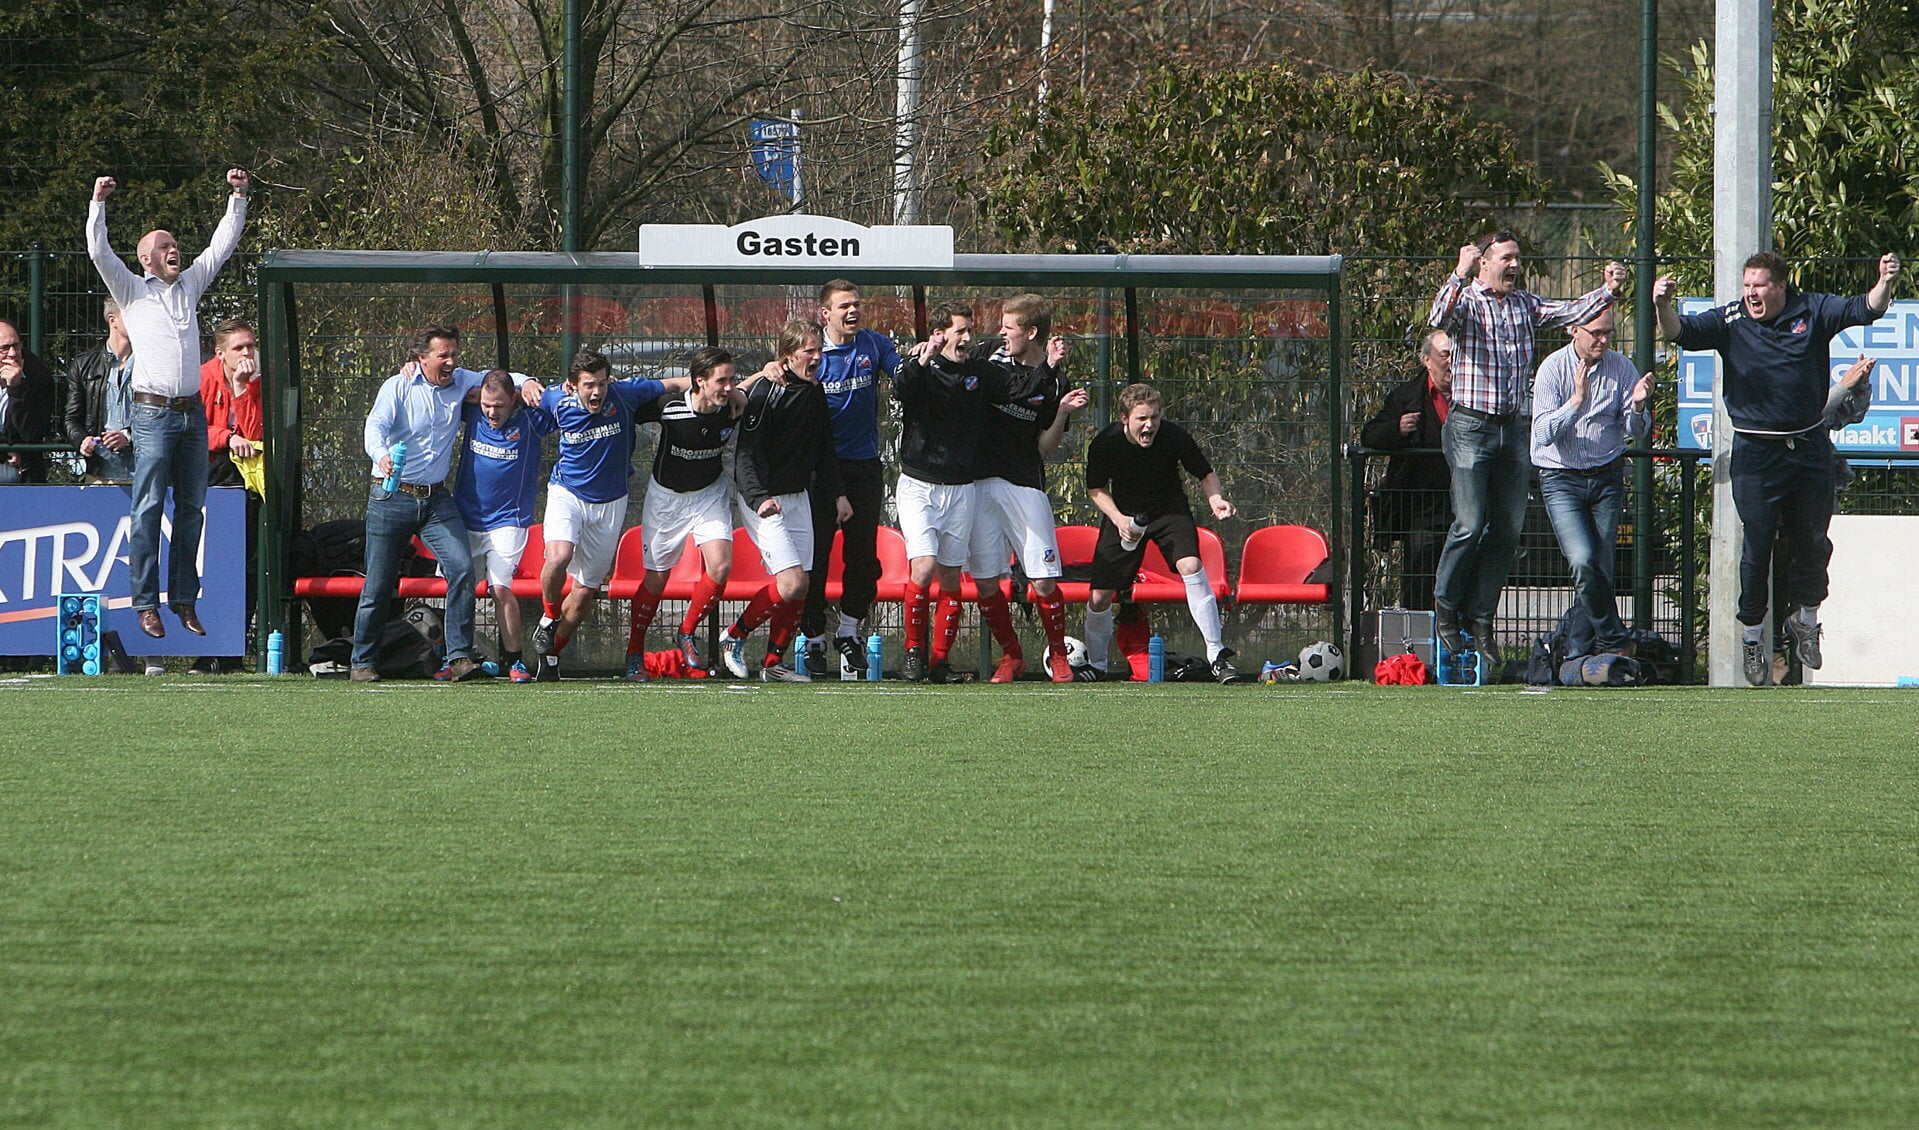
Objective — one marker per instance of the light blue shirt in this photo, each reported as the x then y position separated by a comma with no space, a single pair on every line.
1569,437
426,417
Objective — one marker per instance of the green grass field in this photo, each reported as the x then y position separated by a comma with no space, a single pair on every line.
598,905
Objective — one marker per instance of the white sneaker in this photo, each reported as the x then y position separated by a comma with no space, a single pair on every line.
733,654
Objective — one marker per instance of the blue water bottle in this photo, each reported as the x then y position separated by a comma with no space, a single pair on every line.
276,653
398,455
1156,659
799,652
875,652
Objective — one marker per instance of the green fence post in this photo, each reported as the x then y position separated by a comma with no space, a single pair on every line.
36,301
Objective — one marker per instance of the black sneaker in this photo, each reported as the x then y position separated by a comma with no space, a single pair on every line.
549,671
543,639
1223,668
1087,673
943,674
1446,623
913,668
852,654
1757,663
1805,641
816,656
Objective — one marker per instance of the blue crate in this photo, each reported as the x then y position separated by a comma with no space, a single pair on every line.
78,629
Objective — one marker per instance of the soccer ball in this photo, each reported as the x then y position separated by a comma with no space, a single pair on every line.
1322,662
1075,653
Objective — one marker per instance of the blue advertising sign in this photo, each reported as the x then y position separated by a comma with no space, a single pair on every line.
56,540
1891,425
775,147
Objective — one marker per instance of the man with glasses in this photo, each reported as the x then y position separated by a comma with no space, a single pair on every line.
26,408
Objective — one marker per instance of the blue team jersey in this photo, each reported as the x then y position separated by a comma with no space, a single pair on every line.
499,477
849,375
596,449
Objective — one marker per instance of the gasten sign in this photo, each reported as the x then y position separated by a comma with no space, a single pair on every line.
796,241
1892,424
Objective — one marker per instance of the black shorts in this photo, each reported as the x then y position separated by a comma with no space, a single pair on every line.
1114,569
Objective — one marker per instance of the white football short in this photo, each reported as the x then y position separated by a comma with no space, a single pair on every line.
1010,519
671,516
594,529
936,519
496,553
785,539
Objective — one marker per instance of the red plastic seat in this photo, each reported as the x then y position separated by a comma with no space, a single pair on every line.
1275,563
1159,581
749,571
1076,552
895,571
629,566
526,578
679,316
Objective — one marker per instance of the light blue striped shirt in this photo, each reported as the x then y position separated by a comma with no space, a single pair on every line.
1569,437
426,416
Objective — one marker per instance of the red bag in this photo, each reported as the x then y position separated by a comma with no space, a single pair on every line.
1406,670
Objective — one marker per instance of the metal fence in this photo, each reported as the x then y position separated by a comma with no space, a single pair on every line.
1246,372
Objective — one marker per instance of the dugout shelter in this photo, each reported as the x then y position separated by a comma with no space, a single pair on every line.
1252,343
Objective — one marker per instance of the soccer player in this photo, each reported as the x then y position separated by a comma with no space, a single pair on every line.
851,365
1776,367
943,392
1011,511
687,494
495,489
1132,475
586,494
784,452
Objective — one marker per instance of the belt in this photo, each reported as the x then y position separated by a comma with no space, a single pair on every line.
1489,417
419,490
1611,468
176,403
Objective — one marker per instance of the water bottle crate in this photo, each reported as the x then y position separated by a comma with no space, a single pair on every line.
78,629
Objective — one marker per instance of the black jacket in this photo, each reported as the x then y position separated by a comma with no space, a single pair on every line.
1416,492
785,442
30,416
943,412
86,413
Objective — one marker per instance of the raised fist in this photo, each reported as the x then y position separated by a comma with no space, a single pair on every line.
103,187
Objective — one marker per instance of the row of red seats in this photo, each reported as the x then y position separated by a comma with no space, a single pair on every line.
1272,570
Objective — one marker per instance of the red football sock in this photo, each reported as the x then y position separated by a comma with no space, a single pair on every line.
915,615
1052,618
786,621
945,625
645,604
550,608
560,642
757,610
705,592
999,617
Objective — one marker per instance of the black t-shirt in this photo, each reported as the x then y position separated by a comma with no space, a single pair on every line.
1009,440
1145,480
688,457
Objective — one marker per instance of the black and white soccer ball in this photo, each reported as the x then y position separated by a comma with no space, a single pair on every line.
1075,653
1322,662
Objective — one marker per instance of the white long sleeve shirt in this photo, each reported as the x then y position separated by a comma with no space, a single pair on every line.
164,319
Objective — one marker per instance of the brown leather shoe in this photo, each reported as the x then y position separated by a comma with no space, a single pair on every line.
150,623
190,620
364,675
464,670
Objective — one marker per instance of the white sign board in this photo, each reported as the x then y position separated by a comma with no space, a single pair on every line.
1870,623
796,241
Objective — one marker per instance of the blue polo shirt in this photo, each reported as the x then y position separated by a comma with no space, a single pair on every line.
498,483
849,375
1777,373
596,448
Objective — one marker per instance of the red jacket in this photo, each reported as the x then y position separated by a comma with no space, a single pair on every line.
227,413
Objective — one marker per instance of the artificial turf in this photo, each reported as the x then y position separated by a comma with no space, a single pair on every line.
224,903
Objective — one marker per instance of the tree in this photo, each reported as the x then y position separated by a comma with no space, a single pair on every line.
1845,176
1267,161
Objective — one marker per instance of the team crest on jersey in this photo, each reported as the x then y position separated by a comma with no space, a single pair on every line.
1050,555
726,434
1799,326
512,436
972,384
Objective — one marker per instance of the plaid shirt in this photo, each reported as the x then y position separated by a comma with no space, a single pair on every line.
1493,338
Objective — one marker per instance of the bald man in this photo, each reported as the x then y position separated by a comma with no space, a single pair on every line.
161,312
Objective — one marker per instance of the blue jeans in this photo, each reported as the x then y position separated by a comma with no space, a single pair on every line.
169,452
1491,463
392,518
1584,509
